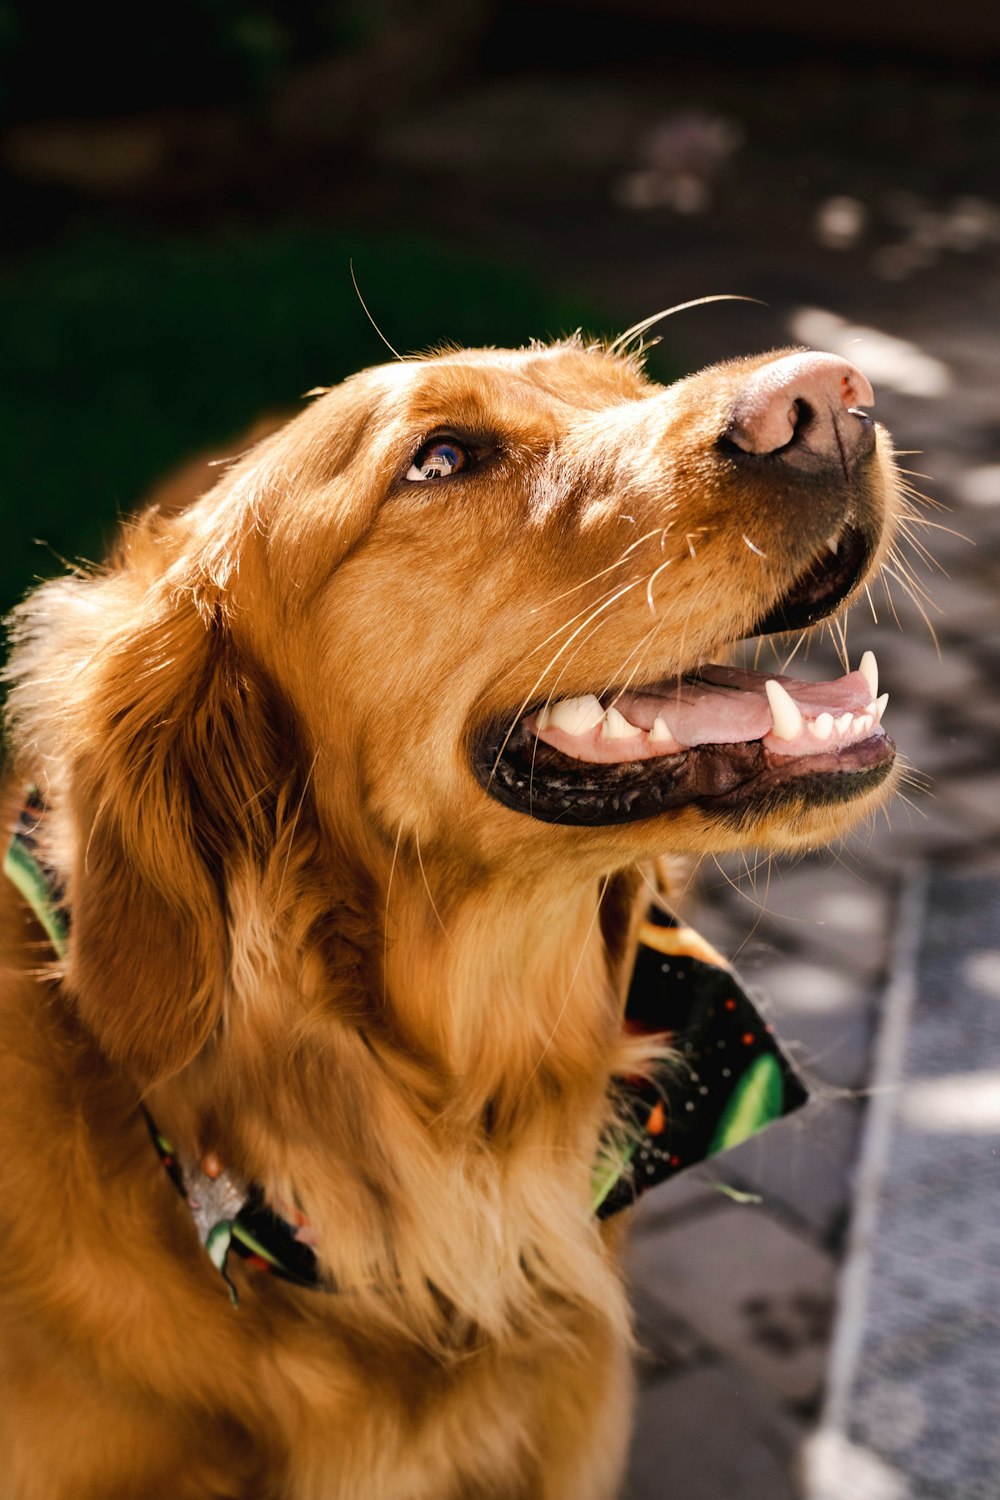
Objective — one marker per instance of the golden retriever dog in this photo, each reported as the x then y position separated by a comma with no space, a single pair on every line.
346,777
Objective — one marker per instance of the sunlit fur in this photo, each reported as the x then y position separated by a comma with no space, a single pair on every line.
309,939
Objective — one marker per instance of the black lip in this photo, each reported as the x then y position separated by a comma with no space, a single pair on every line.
822,588
738,782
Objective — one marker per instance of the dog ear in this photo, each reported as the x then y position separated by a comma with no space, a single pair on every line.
185,757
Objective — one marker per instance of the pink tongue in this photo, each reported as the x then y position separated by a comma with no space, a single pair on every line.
727,705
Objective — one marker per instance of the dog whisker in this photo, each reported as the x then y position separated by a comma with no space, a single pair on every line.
871,602
786,663
369,316
542,675
610,568
294,825
430,893
385,934
918,547
652,579
643,326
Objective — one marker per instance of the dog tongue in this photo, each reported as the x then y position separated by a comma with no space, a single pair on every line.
724,705
719,706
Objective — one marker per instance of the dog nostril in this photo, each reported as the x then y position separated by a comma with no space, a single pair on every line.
801,416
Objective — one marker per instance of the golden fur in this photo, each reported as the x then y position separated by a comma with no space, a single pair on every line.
307,938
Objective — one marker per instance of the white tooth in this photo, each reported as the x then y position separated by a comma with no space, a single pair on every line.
822,726
617,727
661,731
784,711
869,671
574,715
862,723
843,724
877,709
833,544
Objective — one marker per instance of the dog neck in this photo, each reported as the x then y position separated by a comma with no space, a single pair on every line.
507,986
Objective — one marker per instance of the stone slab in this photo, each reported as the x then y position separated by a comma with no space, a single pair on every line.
707,1435
747,1284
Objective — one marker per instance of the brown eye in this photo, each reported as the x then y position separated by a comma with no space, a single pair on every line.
438,459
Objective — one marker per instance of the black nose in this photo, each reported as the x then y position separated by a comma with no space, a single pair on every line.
802,409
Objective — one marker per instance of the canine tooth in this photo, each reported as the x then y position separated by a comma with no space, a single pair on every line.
868,668
784,711
822,726
661,731
617,727
862,723
574,715
877,709
833,544
843,724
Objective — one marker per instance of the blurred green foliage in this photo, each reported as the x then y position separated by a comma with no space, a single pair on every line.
126,354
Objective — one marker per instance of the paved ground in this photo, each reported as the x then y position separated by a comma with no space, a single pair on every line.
914,1377
893,260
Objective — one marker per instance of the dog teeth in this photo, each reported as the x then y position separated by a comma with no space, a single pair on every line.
843,724
868,668
617,727
832,542
784,711
877,709
573,715
822,727
661,731
862,723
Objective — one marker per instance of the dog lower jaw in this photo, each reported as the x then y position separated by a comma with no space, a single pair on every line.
739,785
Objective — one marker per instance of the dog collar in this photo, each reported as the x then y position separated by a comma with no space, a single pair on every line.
725,1080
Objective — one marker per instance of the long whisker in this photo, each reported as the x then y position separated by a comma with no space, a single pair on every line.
611,566
531,691
652,579
567,664
906,577
638,329
560,630
430,893
918,546
385,924
636,652
907,589
937,526
793,653
368,315
888,596
871,602
295,824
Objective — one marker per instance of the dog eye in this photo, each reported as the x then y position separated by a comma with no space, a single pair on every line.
437,459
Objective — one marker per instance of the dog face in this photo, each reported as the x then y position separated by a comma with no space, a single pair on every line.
490,550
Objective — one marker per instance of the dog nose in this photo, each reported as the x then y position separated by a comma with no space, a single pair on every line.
803,407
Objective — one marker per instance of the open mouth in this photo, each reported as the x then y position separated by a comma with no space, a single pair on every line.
735,743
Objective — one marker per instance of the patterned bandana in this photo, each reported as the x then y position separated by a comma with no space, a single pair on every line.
726,1078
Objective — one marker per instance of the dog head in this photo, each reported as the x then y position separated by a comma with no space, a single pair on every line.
512,581
473,604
